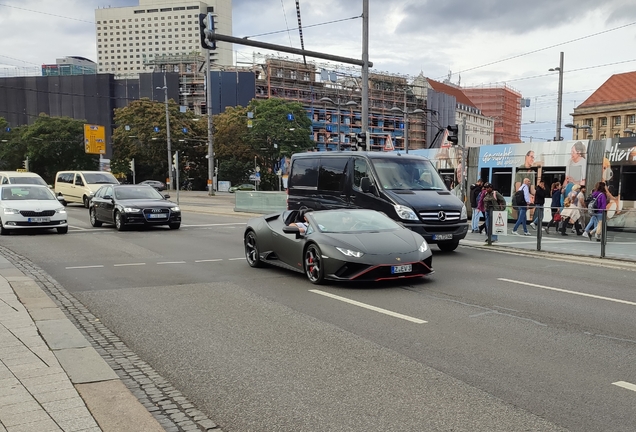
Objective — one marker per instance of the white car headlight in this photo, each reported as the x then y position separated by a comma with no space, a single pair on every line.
464,213
11,211
131,210
175,209
423,247
350,253
405,212
60,210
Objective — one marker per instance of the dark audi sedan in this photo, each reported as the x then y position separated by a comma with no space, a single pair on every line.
126,205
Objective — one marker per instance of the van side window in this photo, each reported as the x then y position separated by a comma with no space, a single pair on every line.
5,180
78,180
305,173
332,173
360,170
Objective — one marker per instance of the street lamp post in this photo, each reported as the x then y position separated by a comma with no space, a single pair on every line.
338,105
165,92
577,127
406,115
560,97
628,132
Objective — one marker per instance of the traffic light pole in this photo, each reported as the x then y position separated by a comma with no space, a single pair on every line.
208,107
176,168
464,160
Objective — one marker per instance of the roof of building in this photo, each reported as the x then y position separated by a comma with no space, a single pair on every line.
452,91
618,88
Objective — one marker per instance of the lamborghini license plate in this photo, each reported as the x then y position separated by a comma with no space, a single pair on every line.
401,269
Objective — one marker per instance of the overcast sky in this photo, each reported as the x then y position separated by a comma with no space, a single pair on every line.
482,41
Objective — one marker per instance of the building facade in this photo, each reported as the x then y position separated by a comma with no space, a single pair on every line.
503,104
70,66
610,112
131,40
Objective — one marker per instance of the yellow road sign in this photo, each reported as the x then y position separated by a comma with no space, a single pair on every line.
94,139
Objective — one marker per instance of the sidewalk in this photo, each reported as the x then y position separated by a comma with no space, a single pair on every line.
51,379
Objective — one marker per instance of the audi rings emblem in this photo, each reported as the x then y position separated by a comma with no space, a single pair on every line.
156,210
441,216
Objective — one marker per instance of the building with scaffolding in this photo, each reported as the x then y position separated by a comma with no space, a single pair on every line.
332,97
503,104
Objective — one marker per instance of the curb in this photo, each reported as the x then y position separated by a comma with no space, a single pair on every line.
97,384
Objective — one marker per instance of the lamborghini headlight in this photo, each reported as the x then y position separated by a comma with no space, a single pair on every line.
350,253
423,247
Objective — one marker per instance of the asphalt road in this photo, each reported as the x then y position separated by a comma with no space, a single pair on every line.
490,342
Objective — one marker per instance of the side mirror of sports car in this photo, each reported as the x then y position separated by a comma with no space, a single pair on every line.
292,230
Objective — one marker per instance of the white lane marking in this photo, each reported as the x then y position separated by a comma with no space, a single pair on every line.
235,259
89,230
210,260
212,225
77,228
625,385
171,262
373,308
130,264
84,267
570,292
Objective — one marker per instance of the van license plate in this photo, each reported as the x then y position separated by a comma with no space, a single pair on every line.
39,219
401,269
442,237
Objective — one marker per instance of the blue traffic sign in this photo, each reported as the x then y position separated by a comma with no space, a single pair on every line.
290,117
8,129
328,128
156,129
185,130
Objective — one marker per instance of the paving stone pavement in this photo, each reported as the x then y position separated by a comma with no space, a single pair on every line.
61,369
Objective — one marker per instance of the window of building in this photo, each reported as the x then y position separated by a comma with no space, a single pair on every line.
603,121
616,120
631,119
589,122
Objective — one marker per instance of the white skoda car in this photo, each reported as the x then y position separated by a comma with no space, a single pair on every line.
25,206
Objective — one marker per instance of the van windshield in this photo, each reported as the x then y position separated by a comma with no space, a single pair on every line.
407,174
100,178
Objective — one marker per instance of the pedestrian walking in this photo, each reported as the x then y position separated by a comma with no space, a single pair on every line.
599,197
475,190
570,215
522,201
493,201
481,207
555,205
539,202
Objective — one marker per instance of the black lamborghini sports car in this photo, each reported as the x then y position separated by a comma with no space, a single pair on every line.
340,245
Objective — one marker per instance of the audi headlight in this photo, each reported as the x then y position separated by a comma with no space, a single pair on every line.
423,247
175,209
350,253
11,211
60,210
464,215
131,210
405,212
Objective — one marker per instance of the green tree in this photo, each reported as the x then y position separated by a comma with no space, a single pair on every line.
12,149
274,135
56,144
134,137
235,170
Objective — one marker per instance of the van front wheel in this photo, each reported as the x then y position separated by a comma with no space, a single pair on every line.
448,246
87,202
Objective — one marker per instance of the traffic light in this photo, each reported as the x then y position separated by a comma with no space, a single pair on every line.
206,31
132,165
453,134
25,163
174,160
361,138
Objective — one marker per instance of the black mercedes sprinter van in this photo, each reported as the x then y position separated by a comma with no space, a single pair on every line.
405,187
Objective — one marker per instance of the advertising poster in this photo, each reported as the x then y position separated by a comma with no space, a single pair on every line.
619,173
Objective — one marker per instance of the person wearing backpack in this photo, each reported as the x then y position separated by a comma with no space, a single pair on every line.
475,190
597,205
539,202
522,199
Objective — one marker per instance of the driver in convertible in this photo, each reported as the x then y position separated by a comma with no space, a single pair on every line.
301,221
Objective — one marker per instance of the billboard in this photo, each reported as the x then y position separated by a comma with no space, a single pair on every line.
94,139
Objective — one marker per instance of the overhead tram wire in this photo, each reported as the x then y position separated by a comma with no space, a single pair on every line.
306,27
286,23
545,48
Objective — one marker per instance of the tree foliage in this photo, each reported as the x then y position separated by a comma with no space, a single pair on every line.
52,144
135,137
